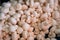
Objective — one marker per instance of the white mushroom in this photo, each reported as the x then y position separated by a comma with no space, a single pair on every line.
31,3
17,15
22,38
28,19
25,34
27,2
13,28
27,12
1,26
26,26
2,16
57,31
44,16
24,7
5,10
15,36
30,38
53,39
19,30
51,2
36,5
47,38
12,20
31,34
7,4
39,37
11,11
42,1
56,15
54,22
18,6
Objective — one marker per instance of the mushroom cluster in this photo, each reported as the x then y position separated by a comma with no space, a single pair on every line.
29,20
